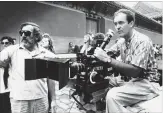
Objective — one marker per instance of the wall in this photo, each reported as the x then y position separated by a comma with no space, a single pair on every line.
63,24
156,37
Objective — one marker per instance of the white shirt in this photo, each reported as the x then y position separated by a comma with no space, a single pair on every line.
19,88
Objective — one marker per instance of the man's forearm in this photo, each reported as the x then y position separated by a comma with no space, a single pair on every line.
51,89
125,69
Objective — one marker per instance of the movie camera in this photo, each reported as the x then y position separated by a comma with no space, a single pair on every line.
90,73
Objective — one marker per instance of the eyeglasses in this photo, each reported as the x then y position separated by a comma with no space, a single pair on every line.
26,33
6,43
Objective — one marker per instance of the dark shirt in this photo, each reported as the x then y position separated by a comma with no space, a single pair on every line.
74,49
6,75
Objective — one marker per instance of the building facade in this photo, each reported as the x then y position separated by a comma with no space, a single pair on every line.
69,21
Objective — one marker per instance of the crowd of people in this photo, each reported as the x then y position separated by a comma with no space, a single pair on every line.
137,61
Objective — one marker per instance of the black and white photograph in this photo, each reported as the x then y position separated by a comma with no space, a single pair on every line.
81,56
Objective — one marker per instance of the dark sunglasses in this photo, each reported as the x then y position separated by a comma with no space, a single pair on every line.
4,43
26,33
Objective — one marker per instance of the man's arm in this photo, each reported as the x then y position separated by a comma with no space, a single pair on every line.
51,88
125,69
52,94
5,57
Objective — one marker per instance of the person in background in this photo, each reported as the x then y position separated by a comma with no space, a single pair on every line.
138,63
14,39
6,41
47,42
73,48
87,43
5,106
27,96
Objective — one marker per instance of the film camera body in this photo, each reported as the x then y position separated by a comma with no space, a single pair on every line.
90,73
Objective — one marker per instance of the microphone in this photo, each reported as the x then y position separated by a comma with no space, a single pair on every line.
108,36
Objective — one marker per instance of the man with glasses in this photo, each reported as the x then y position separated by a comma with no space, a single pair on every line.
27,96
6,41
5,106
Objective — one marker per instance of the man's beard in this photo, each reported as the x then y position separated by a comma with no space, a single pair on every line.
27,44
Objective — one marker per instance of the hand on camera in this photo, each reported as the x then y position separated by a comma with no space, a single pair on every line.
77,66
101,55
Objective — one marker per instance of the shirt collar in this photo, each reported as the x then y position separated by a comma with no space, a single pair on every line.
133,34
37,48
22,47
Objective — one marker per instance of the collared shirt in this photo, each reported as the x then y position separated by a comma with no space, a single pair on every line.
139,52
19,88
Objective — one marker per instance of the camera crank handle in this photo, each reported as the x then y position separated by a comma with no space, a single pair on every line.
93,73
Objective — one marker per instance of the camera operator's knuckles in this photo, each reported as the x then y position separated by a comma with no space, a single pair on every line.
97,51
78,66
101,55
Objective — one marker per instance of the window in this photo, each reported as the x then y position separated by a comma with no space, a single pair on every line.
91,25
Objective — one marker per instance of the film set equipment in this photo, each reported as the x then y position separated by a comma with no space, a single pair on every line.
56,69
90,73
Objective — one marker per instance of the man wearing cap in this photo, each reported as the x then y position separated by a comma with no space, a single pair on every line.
27,96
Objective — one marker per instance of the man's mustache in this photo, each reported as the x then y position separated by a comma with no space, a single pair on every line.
24,39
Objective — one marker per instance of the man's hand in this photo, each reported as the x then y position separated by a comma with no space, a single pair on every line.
101,55
53,106
77,66
119,81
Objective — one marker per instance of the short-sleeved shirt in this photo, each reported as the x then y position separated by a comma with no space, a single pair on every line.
138,51
21,89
